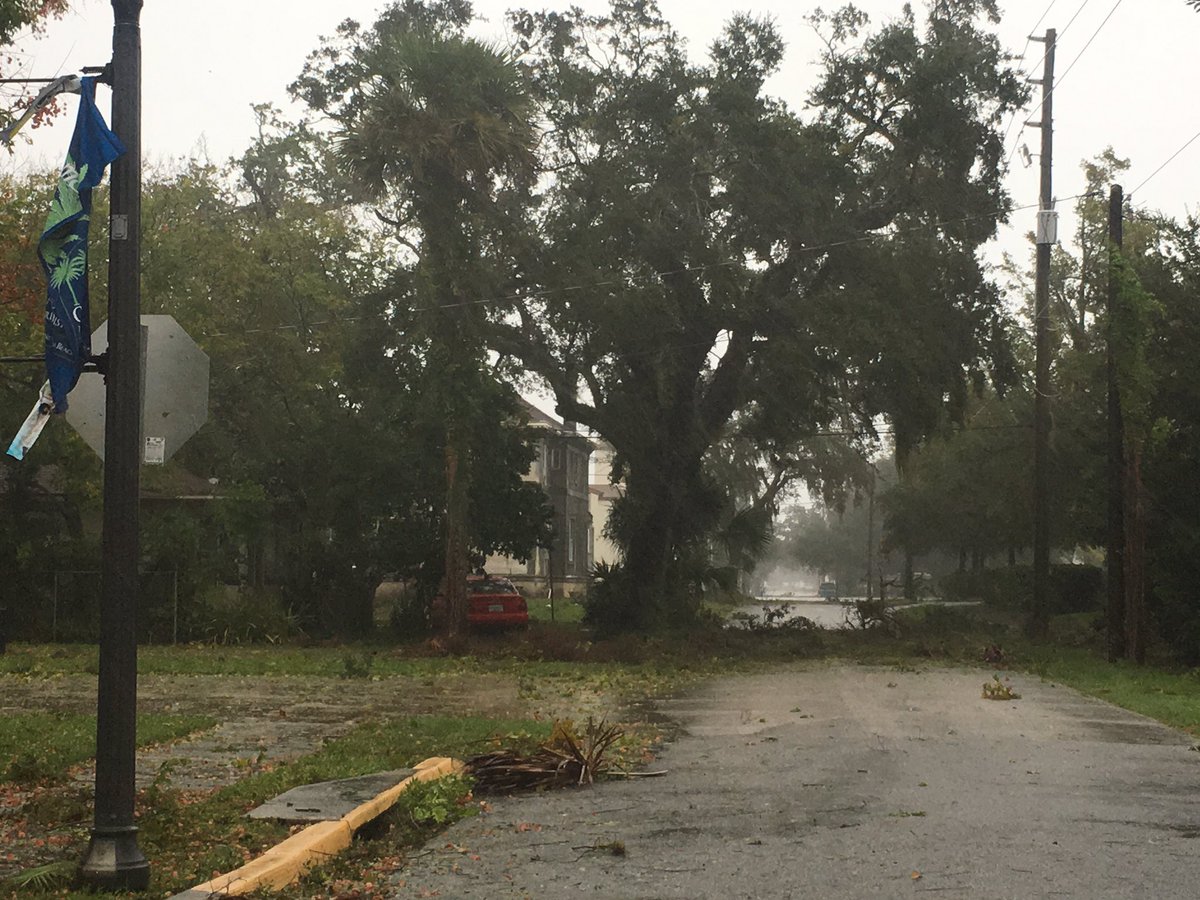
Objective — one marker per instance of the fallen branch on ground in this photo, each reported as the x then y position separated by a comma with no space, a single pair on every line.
562,760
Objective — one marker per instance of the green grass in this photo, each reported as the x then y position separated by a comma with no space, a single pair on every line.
42,746
566,611
550,649
344,660
1172,697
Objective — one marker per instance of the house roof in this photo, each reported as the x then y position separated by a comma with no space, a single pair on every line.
539,419
543,421
606,491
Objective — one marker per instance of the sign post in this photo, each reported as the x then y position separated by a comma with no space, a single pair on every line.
114,859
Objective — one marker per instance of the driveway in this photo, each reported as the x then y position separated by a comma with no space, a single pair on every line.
856,782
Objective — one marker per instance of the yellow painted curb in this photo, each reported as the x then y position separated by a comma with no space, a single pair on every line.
287,861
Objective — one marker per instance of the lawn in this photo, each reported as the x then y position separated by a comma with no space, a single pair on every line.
42,746
562,610
189,835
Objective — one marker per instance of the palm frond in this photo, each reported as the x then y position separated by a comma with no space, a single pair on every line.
564,759
44,878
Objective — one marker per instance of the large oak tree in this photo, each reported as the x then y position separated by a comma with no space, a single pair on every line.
708,258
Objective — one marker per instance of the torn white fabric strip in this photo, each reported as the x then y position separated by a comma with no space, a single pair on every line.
31,430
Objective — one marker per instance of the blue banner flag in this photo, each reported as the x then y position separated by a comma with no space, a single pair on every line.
63,246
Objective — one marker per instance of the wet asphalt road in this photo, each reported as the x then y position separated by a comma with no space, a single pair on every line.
856,782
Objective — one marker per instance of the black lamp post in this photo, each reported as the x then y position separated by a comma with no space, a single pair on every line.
114,859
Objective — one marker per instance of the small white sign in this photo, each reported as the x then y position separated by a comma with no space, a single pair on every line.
156,451
1047,226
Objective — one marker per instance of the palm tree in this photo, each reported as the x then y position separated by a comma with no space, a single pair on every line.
436,125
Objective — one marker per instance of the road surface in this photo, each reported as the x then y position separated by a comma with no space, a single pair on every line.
856,782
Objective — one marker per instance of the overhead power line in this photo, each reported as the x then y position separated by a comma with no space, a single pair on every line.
1170,160
1095,33
1034,68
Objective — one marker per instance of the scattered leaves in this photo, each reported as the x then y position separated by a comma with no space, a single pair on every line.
999,690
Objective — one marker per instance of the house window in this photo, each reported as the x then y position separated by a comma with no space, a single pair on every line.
570,540
555,458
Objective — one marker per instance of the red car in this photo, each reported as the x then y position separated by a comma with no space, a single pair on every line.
492,602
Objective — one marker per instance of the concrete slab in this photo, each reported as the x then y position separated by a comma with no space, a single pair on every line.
328,801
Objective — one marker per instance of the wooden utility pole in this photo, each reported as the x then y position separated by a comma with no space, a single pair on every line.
1127,507
114,861
871,535
1115,551
1039,615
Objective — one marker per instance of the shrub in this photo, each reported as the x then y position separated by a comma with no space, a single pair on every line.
609,605
1072,588
229,615
409,618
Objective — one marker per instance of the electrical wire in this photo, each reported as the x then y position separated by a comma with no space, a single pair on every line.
1059,80
1012,119
1041,61
1170,160
1085,46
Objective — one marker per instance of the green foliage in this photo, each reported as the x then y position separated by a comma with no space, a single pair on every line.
774,617
232,615
1071,589
967,490
323,455
1172,275
1131,331
683,215
409,615
437,803
49,496
357,665
49,877
435,129
18,14
611,603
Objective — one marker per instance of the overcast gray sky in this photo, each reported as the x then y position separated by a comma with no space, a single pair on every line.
1127,75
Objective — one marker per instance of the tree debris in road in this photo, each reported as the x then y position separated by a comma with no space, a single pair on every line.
564,759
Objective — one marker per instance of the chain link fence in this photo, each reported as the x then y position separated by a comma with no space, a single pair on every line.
65,606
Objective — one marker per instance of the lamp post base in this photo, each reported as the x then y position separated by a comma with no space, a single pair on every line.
115,861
